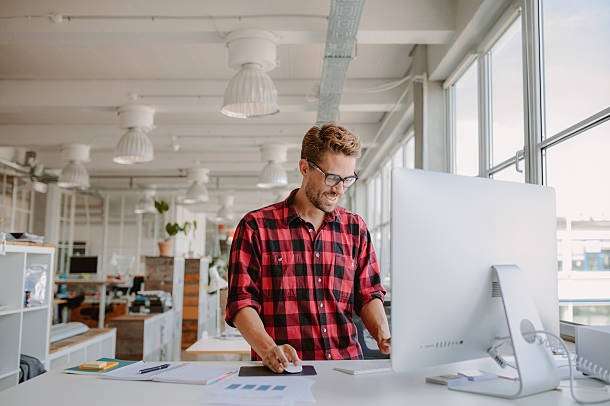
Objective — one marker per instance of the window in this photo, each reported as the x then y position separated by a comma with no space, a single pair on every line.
573,144
466,138
576,61
574,154
507,95
377,205
16,204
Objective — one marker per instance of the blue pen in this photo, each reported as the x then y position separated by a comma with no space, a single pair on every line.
158,367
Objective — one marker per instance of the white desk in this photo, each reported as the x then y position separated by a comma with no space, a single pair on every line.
101,288
219,346
332,388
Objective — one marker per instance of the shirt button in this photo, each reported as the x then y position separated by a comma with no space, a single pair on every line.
317,255
324,330
328,355
320,280
321,304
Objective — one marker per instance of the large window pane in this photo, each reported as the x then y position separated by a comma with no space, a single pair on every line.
578,170
507,95
466,123
576,60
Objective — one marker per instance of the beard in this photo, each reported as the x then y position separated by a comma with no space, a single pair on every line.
320,199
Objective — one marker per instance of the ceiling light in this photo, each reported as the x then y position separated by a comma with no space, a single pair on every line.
251,92
273,174
197,192
146,203
74,174
225,213
135,146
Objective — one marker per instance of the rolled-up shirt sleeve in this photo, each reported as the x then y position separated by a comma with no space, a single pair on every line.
244,270
368,276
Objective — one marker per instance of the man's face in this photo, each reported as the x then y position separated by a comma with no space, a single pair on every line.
322,196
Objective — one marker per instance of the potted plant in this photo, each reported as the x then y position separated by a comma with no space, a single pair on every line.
165,245
172,229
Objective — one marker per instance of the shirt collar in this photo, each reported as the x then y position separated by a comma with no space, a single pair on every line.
290,213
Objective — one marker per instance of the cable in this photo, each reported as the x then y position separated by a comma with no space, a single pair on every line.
586,365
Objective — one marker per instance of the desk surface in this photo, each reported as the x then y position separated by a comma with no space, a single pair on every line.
81,282
331,388
213,345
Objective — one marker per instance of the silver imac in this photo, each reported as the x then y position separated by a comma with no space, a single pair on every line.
447,233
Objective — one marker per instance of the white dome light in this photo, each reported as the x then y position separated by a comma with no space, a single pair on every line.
134,147
225,213
146,204
74,174
197,192
251,92
272,175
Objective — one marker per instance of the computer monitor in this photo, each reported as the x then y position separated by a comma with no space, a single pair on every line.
83,265
447,231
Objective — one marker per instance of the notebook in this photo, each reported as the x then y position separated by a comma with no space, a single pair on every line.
193,374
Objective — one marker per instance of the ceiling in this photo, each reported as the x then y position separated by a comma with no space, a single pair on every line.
61,82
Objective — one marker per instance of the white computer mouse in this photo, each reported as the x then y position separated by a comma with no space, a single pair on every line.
293,369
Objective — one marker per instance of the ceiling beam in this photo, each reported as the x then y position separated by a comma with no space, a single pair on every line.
383,22
231,162
49,137
174,96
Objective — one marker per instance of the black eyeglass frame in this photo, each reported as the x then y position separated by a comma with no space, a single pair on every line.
337,177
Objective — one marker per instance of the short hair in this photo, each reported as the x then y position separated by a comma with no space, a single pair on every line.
329,138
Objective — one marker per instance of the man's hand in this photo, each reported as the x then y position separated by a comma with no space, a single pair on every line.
278,357
385,345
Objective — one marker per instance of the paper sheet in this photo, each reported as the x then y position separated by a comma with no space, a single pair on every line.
260,391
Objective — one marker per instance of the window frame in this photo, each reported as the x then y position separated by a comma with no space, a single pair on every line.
536,144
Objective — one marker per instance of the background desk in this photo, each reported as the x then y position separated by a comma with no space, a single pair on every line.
331,388
218,346
101,288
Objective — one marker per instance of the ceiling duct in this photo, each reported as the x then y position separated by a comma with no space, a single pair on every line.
343,23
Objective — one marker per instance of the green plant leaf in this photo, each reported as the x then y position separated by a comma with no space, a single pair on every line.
172,229
161,206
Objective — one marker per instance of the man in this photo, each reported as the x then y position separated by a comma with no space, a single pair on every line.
299,269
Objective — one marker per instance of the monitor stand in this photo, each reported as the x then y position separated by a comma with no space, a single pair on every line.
535,364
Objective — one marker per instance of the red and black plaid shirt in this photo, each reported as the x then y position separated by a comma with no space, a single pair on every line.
304,286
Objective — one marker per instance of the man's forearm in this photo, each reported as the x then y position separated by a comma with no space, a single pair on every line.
374,318
251,327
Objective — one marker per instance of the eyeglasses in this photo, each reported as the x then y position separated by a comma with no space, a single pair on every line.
332,180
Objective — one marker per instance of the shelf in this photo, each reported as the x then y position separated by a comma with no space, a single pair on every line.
9,373
9,311
35,308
